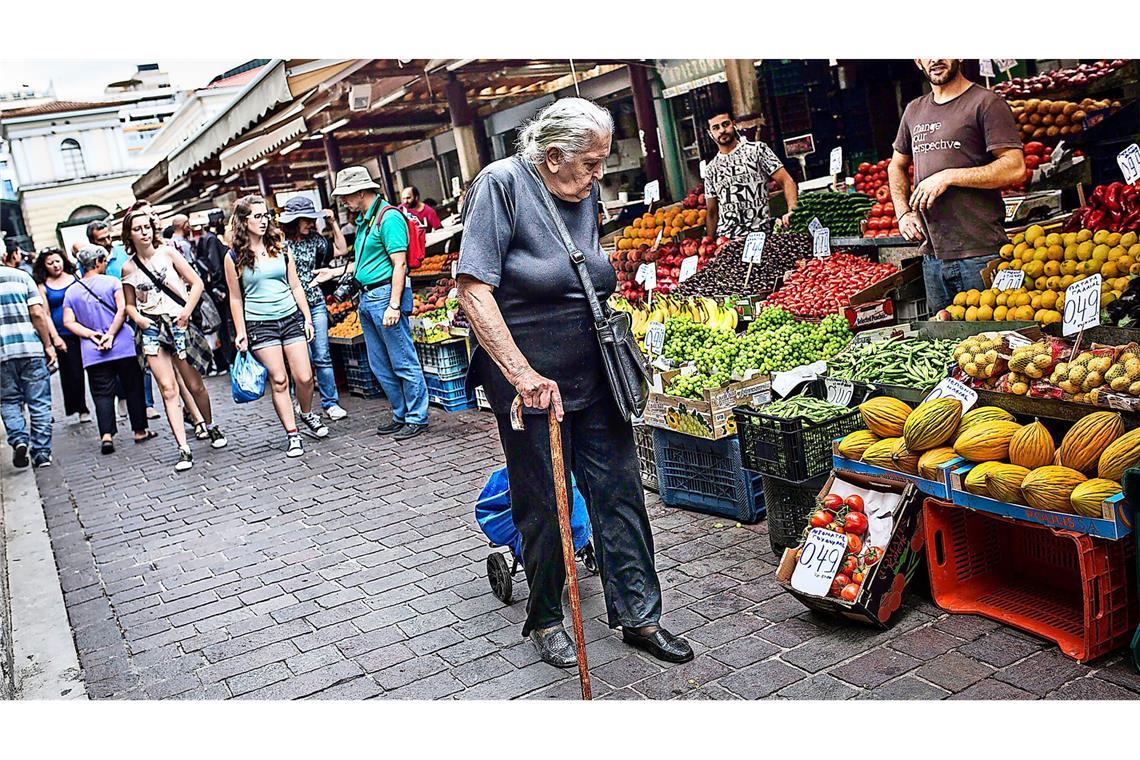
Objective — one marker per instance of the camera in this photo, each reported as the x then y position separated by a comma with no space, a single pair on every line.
346,288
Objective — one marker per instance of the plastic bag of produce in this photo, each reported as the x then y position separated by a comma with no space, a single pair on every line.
247,378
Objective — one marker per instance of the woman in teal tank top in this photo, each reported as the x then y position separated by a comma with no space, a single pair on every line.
271,314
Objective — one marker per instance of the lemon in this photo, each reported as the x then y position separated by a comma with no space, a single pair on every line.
1129,239
1100,236
1033,233
1084,235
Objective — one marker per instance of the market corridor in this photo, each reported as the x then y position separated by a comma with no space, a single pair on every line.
357,571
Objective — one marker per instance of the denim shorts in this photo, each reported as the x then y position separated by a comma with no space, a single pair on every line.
276,332
164,333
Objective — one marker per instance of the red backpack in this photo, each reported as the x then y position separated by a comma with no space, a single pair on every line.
417,238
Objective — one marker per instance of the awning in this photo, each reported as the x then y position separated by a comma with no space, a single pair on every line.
241,155
260,96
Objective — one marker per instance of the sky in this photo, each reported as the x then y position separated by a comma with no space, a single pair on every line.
85,79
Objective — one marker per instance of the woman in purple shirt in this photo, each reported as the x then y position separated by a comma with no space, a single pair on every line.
95,311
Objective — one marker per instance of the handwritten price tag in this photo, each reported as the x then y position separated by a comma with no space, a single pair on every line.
1009,279
688,268
703,169
754,247
456,187
839,391
657,240
819,562
1129,161
835,162
821,243
454,268
1005,64
647,275
814,225
986,67
1082,305
655,337
952,388
652,192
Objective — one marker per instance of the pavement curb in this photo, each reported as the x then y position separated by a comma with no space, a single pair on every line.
41,647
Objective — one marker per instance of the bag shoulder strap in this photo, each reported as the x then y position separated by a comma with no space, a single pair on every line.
160,285
97,297
576,256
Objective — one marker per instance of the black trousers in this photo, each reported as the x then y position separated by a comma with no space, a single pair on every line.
598,448
224,355
71,376
108,380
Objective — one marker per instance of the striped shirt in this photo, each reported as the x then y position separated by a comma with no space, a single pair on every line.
18,338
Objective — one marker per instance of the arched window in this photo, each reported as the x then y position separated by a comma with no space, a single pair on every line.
73,158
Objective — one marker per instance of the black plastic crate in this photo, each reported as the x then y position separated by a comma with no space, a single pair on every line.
646,460
795,448
706,476
357,374
788,505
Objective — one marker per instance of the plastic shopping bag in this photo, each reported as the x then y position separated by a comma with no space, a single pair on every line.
493,514
247,378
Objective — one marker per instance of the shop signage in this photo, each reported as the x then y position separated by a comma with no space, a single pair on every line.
655,337
754,247
952,388
1082,305
1129,160
835,163
1009,279
683,75
688,268
821,243
652,192
647,275
819,561
802,145
986,67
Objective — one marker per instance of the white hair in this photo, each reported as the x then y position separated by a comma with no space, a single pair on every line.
572,125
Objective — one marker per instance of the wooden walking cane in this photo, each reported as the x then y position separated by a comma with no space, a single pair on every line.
563,503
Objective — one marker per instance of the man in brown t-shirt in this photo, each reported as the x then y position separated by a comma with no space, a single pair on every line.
965,146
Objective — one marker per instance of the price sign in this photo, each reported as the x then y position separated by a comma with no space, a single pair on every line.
839,391
652,192
1005,64
835,164
1129,161
703,169
1016,340
655,337
453,294
814,225
647,275
455,187
1009,279
821,243
454,269
657,240
688,268
754,247
1082,305
952,388
986,67
819,562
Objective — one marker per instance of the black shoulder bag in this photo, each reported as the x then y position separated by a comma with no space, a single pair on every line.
205,316
625,366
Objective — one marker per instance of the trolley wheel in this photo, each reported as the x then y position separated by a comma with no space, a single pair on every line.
499,576
589,561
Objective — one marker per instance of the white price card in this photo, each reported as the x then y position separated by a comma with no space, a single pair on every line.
819,561
647,275
821,243
456,187
453,294
1129,161
657,240
835,164
1005,64
1082,305
814,225
839,391
754,247
986,67
1016,340
1009,279
952,388
703,169
454,269
688,268
655,337
652,192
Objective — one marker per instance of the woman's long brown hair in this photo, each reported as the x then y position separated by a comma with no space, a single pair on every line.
129,222
274,239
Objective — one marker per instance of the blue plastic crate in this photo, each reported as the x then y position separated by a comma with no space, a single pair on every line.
450,394
706,476
357,374
446,360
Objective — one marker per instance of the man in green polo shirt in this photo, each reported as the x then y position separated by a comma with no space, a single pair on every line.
381,268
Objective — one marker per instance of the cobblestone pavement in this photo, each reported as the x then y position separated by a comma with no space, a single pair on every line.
358,571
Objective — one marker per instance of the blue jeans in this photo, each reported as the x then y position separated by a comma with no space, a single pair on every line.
148,387
944,279
23,382
392,355
321,356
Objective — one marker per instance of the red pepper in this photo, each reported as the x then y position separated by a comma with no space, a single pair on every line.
1093,220
1098,194
1112,196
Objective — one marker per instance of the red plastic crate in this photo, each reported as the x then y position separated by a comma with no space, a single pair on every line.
1074,589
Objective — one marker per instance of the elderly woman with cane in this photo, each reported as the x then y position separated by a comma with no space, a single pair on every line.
529,308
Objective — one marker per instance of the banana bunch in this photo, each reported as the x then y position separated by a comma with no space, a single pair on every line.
702,310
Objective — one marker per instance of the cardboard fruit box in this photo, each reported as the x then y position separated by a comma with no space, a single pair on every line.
709,417
874,306
883,588
1116,521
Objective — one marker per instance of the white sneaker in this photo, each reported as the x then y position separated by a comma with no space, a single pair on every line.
313,424
296,447
336,412
152,413
84,417
185,460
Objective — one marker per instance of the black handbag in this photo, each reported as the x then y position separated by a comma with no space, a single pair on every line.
625,365
205,315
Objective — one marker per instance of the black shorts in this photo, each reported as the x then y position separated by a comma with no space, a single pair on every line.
263,333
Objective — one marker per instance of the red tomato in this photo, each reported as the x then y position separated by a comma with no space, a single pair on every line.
832,501
856,523
837,585
854,543
888,208
850,565
821,518
865,167
872,555
849,592
854,502
876,209
856,578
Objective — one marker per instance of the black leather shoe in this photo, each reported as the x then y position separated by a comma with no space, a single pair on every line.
555,648
661,644
389,427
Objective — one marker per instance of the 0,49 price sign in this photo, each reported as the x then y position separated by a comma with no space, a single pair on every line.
819,561
1082,305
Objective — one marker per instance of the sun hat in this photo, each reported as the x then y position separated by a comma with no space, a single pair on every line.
199,219
299,207
353,179
90,255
